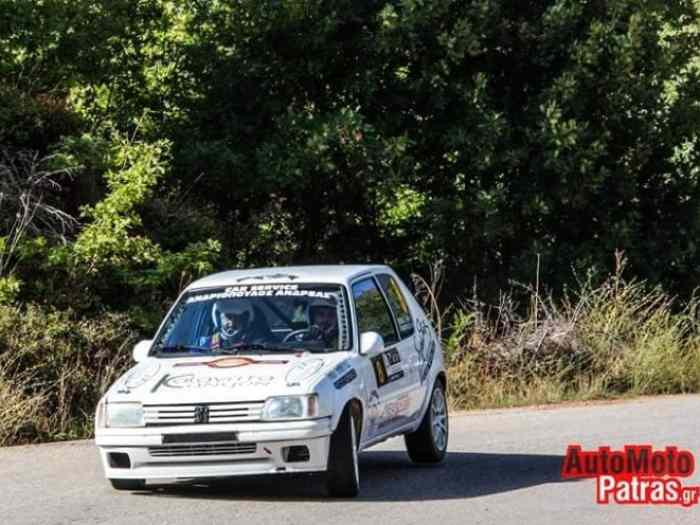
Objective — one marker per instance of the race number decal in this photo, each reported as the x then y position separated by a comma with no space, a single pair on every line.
387,367
393,357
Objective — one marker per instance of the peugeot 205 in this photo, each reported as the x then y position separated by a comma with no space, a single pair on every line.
280,370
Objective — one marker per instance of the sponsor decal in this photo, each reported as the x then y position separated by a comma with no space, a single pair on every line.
636,475
395,410
139,376
374,399
192,381
373,411
232,362
289,276
425,347
259,290
304,370
428,362
339,369
349,377
395,376
379,370
422,335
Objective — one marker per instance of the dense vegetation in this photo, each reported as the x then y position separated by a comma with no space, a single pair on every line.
144,143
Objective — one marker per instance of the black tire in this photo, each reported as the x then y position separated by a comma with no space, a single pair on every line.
343,476
428,444
128,484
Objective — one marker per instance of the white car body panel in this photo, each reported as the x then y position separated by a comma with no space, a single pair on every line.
238,393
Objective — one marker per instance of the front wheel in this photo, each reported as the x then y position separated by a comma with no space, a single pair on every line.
343,475
128,484
428,444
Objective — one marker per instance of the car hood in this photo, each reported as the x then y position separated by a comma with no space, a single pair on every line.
222,378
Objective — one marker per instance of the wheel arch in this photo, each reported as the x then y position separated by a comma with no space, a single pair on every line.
357,410
442,377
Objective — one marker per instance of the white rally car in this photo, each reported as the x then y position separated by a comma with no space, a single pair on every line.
278,370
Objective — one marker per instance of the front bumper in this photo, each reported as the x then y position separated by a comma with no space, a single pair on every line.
258,450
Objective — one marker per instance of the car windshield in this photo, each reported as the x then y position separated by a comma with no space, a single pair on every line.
257,319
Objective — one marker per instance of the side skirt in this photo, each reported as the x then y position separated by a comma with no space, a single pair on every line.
408,427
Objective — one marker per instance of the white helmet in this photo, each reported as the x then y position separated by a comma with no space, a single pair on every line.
223,312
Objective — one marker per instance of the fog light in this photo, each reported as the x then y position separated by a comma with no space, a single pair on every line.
119,460
296,454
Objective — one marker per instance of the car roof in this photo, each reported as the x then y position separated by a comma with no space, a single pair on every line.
336,274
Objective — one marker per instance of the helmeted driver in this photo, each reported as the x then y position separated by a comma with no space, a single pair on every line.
323,320
235,323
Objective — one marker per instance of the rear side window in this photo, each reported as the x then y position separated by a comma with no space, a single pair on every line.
372,311
398,304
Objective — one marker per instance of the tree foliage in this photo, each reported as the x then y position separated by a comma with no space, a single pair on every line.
236,133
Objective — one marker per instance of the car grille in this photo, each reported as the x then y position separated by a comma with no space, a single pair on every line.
220,449
217,413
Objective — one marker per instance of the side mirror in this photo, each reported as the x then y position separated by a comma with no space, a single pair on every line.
141,350
371,343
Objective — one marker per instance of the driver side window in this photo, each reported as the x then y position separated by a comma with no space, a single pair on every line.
372,311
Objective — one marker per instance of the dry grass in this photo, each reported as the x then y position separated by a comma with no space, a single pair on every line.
614,339
20,413
53,370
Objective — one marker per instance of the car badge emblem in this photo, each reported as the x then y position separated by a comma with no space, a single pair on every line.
201,414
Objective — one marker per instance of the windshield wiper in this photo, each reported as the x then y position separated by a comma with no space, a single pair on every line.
182,349
259,348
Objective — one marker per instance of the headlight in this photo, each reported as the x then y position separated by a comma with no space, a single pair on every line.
121,415
291,407
101,415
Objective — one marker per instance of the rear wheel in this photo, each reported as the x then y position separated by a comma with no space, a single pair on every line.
343,475
428,444
128,484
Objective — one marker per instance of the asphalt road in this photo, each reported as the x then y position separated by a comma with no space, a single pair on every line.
503,468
